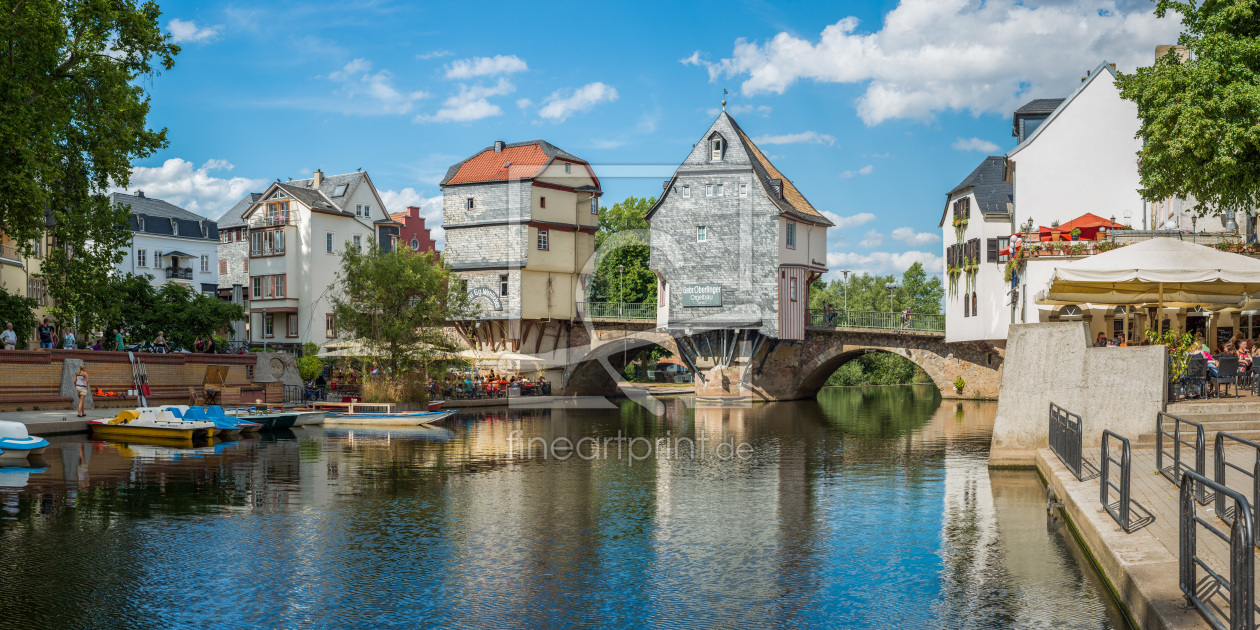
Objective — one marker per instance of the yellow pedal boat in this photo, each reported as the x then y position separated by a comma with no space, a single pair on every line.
148,423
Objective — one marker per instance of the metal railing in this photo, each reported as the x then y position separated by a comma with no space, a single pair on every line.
1121,513
1240,585
294,394
1174,473
618,310
274,220
920,322
177,273
1221,464
1065,438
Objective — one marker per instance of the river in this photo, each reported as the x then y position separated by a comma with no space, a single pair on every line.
868,508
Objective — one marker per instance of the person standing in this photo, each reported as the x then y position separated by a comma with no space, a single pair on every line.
905,318
119,342
81,387
8,336
159,344
211,346
68,340
199,346
46,334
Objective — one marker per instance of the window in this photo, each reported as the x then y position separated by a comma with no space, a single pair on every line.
358,243
339,190
328,242
205,263
701,235
594,205
469,204
268,242
142,258
567,166
717,148
743,190
358,209
330,325
175,227
279,286
686,191
223,267
37,248
256,287
966,306
291,325
708,190
718,188
225,237
157,258
140,223
542,240
415,244
791,235
1003,243
542,202
269,325
35,291
367,210
503,286
792,288
267,287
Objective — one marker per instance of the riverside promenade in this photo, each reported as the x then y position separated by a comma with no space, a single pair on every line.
1141,566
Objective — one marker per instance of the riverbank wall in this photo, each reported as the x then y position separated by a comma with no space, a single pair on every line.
1120,389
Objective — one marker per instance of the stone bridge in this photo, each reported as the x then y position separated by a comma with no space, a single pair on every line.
729,367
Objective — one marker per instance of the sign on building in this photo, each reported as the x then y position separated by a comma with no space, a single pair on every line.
701,294
482,292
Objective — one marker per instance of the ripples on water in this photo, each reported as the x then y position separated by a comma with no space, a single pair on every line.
868,508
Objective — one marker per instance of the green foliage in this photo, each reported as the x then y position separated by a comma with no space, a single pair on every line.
20,311
622,239
1199,116
72,121
959,383
869,293
1180,346
878,368
310,366
178,311
397,304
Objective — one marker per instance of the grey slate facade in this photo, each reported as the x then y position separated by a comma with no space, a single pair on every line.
742,231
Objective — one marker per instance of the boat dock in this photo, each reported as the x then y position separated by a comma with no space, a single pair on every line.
53,422
1142,565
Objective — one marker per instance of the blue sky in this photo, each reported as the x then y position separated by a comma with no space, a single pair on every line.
875,110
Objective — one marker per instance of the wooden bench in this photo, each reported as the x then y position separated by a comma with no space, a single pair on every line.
32,393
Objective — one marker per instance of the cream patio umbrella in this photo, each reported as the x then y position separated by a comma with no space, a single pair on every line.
1157,271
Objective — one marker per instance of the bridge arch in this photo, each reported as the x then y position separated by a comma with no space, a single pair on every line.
589,372
814,374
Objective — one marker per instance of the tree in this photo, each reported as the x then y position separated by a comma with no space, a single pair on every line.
870,293
398,305
178,311
1200,114
622,240
72,120
20,311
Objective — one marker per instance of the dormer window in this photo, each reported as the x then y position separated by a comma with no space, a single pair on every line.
175,227
140,222
718,146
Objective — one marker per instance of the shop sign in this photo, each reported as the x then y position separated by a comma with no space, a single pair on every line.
701,294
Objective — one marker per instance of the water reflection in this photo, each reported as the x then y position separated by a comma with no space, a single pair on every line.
865,508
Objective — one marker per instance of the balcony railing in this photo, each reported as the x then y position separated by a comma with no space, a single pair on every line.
618,310
274,220
175,273
918,322
9,252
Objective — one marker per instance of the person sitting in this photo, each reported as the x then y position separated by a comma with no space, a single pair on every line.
1101,340
97,346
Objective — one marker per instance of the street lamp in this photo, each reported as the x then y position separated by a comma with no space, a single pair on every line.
892,304
621,289
846,273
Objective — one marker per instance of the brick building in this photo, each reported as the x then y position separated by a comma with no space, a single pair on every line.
412,233
520,221
735,245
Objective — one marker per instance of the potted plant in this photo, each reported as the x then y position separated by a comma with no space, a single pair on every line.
959,384
1076,234
1077,249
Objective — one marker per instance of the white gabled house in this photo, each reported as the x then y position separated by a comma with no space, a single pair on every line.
170,244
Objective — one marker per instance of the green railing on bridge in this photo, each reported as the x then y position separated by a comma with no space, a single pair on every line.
618,310
919,322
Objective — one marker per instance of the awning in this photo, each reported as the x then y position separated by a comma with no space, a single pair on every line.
1089,224
177,254
1157,271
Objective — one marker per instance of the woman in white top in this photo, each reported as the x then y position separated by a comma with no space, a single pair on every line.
69,340
81,387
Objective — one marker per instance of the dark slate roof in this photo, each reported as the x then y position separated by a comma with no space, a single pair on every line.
1040,106
161,217
234,217
550,150
329,186
989,186
311,198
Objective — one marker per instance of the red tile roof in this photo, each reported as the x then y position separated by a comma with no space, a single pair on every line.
520,162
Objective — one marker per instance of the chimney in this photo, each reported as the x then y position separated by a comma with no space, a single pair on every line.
317,179
498,146
665,186
140,193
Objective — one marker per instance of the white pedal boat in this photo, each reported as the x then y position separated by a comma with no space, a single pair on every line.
16,443
149,423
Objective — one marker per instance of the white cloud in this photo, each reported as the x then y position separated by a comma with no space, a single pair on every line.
865,170
187,31
910,237
462,69
470,103
853,220
524,103
193,188
430,209
976,144
915,64
811,137
434,54
881,262
565,102
357,79
872,238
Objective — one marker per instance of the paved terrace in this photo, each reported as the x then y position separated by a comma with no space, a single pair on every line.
1141,567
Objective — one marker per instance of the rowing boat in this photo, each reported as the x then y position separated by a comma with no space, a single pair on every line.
389,419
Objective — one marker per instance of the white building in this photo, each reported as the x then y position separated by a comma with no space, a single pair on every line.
976,224
170,244
296,233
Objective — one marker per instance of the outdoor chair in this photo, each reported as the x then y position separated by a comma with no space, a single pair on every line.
1226,374
1195,377
195,397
